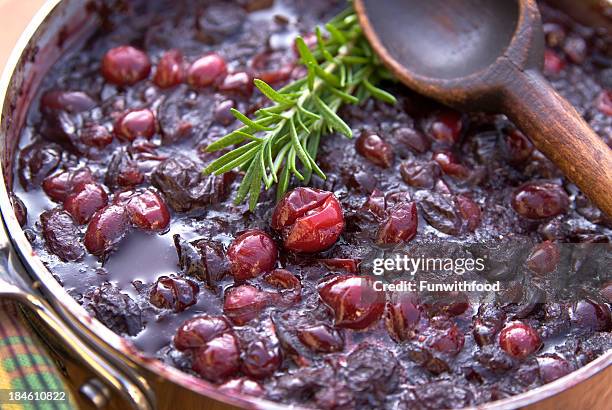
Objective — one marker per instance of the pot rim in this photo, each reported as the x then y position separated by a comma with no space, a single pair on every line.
103,338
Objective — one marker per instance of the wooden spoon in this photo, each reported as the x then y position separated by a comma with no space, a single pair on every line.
486,55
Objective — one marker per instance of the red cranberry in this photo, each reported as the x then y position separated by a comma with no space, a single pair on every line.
470,212
449,163
347,265
219,359
148,211
400,226
553,64
519,340
198,331
402,315
251,254
174,293
125,65
261,359
488,321
311,220
69,101
353,300
376,203
85,201
106,228
97,136
446,126
418,174
243,303
517,146
223,114
539,200
544,257
282,279
239,83
321,339
59,186
374,149
136,123
604,102
552,367
590,314
170,69
207,70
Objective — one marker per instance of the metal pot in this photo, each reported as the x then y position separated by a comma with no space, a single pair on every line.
116,371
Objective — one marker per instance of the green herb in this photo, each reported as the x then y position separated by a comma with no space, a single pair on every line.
282,140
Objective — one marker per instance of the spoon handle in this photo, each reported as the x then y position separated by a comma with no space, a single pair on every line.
560,133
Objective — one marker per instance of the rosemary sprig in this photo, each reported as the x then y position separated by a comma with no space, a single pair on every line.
282,140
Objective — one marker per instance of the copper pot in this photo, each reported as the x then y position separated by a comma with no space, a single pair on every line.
116,373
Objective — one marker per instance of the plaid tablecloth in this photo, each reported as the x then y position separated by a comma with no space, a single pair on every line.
25,365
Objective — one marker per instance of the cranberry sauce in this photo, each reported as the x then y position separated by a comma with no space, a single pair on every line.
276,302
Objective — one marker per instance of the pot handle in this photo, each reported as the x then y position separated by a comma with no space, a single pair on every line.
107,376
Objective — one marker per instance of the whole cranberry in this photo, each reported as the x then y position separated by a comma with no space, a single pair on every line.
400,226
402,315
125,65
198,331
445,126
207,70
553,64
519,340
59,186
170,69
174,293
374,149
239,82
604,102
544,257
321,339
106,228
251,254
540,200
310,220
552,367
353,300
516,146
148,211
69,101
97,136
84,201
261,358
219,359
592,315
243,303
136,123
449,163
470,212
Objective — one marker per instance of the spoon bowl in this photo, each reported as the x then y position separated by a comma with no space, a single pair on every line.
486,55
